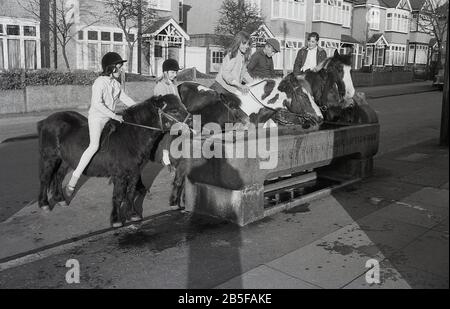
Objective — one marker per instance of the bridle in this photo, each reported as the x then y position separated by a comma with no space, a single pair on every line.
162,114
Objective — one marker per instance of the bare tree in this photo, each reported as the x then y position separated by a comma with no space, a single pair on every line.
62,24
238,15
126,14
433,20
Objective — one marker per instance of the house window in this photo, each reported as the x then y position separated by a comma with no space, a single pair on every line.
13,30
164,5
217,57
346,15
369,56
93,57
412,50
14,58
118,37
379,56
421,54
395,55
101,40
328,10
30,55
330,46
131,37
2,63
29,31
289,9
80,35
289,49
374,19
255,4
397,20
19,44
93,35
106,36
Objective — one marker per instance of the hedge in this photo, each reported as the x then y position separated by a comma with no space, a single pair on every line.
19,79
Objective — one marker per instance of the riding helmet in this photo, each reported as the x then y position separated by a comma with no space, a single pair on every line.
170,65
111,59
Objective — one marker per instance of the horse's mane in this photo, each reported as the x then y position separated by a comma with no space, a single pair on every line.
148,109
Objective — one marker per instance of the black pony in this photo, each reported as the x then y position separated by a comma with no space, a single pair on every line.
213,108
125,149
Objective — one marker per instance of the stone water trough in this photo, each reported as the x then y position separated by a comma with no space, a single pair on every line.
309,166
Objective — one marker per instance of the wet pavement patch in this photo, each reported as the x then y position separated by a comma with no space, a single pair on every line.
170,230
298,209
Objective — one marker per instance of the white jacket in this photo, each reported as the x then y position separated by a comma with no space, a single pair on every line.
106,93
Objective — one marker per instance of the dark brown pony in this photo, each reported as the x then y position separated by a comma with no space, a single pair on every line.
125,149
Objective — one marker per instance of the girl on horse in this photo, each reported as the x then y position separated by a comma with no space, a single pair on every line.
166,85
106,93
233,73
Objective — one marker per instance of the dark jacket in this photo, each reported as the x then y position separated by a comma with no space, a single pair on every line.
261,66
301,58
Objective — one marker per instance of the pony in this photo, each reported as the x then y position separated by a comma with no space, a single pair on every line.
307,95
125,149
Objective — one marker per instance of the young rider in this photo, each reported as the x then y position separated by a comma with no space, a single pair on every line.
106,93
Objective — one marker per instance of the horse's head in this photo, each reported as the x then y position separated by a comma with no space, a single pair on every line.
159,111
299,94
337,71
171,111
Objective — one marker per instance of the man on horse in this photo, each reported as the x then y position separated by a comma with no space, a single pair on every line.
261,62
309,57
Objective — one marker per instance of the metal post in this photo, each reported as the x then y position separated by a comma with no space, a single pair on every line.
139,46
55,38
445,115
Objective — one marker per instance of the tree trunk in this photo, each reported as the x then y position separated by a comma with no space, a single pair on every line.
66,60
130,58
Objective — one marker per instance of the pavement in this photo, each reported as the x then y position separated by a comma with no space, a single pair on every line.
394,224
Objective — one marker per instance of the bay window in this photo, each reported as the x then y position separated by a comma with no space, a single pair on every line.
395,55
164,5
346,14
94,42
19,44
397,20
328,11
289,9
374,19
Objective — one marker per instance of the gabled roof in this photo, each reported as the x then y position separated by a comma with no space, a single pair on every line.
349,39
417,5
162,23
376,38
391,4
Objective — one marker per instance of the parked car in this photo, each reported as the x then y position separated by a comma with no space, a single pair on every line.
439,80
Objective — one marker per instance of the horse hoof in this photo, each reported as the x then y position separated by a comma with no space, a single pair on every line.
62,204
117,225
136,218
46,208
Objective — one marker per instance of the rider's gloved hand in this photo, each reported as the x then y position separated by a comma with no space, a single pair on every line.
119,118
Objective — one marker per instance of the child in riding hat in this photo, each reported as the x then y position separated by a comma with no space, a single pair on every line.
166,85
106,93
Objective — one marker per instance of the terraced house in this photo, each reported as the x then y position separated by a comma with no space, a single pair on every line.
391,32
94,31
285,20
379,33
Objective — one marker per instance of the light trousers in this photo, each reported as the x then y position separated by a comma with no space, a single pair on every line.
96,125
